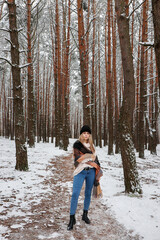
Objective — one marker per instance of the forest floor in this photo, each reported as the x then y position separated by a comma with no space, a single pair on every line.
48,218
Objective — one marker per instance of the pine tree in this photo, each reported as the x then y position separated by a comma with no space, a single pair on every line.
126,113
21,150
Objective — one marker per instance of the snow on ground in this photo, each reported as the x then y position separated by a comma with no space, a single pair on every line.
140,213
23,189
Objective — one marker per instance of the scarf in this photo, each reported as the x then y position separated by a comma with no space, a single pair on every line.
85,156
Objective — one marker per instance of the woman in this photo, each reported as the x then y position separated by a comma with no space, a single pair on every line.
86,167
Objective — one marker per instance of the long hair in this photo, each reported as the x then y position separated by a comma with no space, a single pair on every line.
90,141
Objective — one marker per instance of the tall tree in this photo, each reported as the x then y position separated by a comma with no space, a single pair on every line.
156,21
21,150
126,113
153,114
93,71
106,71
142,86
99,92
66,82
137,97
31,112
114,77
1,103
37,86
110,85
58,81
83,63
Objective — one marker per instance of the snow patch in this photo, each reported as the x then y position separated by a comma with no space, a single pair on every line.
54,235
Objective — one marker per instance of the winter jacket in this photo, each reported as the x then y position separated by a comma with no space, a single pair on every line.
83,157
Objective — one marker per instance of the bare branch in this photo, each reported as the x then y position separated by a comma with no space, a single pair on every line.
20,29
3,16
25,65
8,61
14,65
5,30
136,8
74,39
89,26
8,40
147,44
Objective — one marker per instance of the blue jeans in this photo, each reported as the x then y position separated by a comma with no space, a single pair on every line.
78,180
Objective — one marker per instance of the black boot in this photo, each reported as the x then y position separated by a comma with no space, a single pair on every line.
71,222
85,218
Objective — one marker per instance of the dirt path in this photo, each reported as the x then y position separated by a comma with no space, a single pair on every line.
50,217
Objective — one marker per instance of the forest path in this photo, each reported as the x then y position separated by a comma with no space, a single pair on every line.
50,216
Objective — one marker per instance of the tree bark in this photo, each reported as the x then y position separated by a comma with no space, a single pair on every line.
137,88
114,60
110,85
31,109
126,113
21,150
58,82
83,63
99,92
43,103
38,94
156,22
59,77
143,89
106,71
1,104
93,74
66,83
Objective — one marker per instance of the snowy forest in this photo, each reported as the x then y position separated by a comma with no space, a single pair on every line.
66,63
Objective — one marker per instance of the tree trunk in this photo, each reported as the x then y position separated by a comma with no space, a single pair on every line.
38,95
11,110
115,81
143,89
53,122
58,82
21,150
47,104
99,92
59,78
83,63
93,75
137,88
31,110
66,83
110,85
133,26
106,71
56,93
1,104
156,22
43,103
126,113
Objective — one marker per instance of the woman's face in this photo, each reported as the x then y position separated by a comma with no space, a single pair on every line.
85,136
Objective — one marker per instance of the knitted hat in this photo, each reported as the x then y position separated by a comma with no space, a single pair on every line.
85,128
